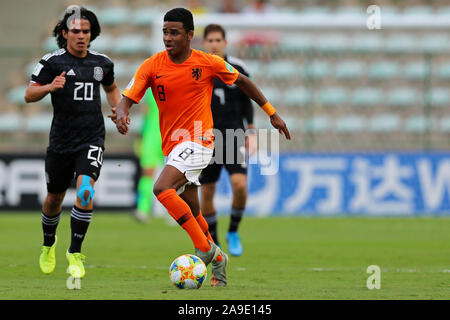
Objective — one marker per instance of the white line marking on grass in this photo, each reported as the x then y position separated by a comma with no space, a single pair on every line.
401,270
324,269
161,268
105,266
318,269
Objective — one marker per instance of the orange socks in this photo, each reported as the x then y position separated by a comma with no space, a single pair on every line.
204,226
180,211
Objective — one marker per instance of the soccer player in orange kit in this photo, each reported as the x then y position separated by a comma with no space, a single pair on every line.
181,79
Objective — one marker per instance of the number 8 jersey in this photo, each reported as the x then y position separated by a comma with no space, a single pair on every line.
183,94
77,113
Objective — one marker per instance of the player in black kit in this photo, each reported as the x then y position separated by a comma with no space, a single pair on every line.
73,75
230,106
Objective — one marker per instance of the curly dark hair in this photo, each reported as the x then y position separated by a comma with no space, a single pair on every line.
181,15
70,13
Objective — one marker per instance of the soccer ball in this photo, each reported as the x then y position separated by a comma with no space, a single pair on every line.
187,272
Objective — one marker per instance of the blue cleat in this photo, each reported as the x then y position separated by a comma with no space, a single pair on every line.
234,244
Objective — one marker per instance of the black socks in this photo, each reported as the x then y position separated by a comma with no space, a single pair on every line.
212,226
236,216
79,223
49,225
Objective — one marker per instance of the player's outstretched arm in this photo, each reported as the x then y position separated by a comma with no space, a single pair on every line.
122,112
251,141
113,97
36,92
252,91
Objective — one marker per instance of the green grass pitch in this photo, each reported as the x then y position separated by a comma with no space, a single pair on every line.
284,258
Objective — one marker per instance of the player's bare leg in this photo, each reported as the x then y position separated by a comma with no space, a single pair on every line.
208,191
239,185
52,203
190,196
170,178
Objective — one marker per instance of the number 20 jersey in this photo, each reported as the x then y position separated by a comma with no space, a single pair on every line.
77,114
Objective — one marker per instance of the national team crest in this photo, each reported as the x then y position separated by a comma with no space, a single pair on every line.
98,73
196,73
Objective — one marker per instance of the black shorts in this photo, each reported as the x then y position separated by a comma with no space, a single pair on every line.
61,169
234,162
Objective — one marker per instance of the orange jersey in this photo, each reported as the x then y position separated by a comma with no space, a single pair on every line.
183,94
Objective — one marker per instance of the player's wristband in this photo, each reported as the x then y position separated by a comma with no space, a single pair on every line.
268,108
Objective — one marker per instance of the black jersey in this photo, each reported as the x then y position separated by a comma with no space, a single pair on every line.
229,104
77,115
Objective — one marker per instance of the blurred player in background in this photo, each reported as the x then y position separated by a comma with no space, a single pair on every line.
228,6
197,7
259,7
151,157
181,80
230,107
72,75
